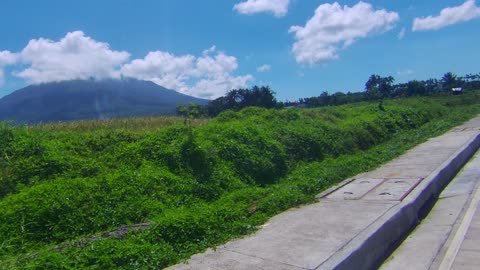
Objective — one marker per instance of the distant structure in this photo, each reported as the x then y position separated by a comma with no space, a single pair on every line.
457,90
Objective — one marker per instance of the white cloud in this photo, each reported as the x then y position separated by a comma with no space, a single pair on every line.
75,56
334,27
217,86
278,7
162,68
6,58
448,16
207,66
264,68
401,35
207,76
210,50
406,72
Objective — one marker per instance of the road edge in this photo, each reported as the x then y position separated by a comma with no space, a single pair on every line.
374,245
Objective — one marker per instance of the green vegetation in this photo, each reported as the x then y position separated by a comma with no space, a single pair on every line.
137,125
64,187
378,88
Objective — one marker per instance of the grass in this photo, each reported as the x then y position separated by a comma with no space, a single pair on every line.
135,124
197,185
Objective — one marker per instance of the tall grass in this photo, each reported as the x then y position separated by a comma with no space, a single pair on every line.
136,124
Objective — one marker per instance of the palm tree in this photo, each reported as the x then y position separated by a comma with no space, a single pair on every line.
449,81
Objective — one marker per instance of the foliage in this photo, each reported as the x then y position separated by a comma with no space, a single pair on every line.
449,81
191,111
134,124
325,99
65,187
378,87
238,99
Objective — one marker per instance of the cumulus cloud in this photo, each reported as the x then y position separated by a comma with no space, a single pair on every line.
279,8
209,75
264,68
334,27
162,68
6,58
217,86
75,56
448,16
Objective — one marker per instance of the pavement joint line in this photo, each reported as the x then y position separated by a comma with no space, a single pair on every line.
457,241
335,188
419,180
373,188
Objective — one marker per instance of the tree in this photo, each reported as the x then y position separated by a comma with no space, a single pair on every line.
193,110
416,88
258,96
378,87
433,86
218,105
238,99
449,81
472,81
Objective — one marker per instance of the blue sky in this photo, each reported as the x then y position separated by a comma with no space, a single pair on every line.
206,47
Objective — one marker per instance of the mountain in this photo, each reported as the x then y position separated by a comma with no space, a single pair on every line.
90,99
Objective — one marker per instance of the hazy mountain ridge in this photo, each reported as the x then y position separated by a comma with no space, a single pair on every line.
90,99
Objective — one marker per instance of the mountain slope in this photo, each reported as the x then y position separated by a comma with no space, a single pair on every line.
90,99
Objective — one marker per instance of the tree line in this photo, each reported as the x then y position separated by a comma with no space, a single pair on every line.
376,88
235,100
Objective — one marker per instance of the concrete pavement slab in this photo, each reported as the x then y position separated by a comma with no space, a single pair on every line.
393,189
222,259
356,189
307,236
467,259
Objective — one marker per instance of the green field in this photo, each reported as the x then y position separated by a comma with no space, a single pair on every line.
68,192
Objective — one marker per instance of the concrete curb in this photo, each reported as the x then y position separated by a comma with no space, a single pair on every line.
373,245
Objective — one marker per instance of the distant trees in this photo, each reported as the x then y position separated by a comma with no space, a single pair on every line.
433,86
449,81
378,87
325,99
238,99
471,81
416,88
412,88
